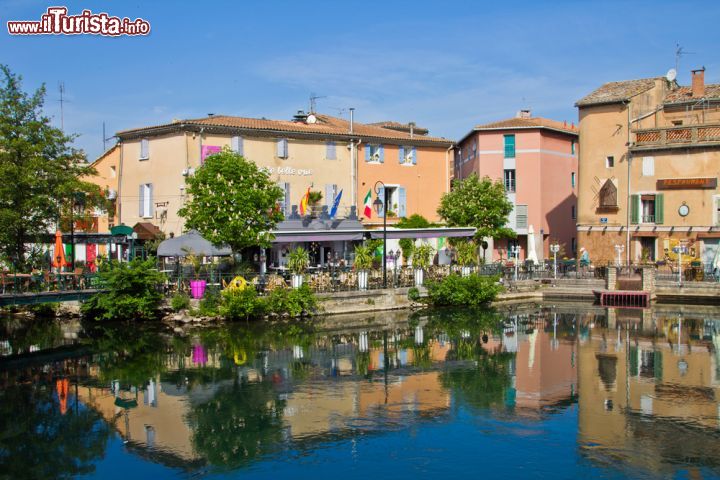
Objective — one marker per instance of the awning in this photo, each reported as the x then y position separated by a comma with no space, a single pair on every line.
423,232
317,236
193,242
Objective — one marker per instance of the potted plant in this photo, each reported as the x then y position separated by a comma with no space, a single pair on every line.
422,257
466,256
298,261
197,286
363,261
314,199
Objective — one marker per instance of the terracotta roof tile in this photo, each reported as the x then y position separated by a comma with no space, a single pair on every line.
684,94
325,125
614,92
531,122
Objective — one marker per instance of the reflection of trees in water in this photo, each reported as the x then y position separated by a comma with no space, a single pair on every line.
39,442
22,333
483,386
240,423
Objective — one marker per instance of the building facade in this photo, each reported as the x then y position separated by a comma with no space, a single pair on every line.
320,152
106,168
649,152
536,158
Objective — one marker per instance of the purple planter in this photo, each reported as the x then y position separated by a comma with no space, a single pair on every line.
197,288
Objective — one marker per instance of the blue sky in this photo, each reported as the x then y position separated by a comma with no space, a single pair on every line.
445,65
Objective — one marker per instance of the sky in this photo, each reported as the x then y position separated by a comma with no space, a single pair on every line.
446,65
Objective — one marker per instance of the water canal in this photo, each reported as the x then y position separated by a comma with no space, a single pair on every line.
530,391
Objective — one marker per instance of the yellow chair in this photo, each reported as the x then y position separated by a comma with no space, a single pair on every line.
237,283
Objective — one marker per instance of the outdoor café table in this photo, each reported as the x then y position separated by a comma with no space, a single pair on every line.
15,279
66,278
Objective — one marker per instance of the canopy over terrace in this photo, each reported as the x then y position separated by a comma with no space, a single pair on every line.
193,242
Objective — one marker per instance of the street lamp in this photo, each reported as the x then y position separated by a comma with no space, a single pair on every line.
381,206
515,249
555,248
619,249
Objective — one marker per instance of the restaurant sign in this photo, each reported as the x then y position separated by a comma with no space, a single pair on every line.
685,183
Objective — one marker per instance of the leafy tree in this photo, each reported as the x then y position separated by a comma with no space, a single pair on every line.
479,203
131,292
232,202
39,171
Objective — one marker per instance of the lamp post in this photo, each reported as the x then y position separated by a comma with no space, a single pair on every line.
555,248
381,206
515,249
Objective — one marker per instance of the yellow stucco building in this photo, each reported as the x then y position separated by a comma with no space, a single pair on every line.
648,170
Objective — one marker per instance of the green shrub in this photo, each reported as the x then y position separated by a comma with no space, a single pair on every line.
363,257
44,310
132,292
470,291
295,302
180,301
209,306
241,304
414,294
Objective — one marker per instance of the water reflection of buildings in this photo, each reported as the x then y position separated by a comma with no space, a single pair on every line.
649,389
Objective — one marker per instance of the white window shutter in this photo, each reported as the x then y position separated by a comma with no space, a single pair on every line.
648,166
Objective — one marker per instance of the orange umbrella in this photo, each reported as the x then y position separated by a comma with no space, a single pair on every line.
59,254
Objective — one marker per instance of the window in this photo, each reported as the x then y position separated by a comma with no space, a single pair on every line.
397,201
573,245
572,147
144,149
716,215
609,161
145,200
285,206
648,166
330,194
608,195
677,123
572,179
374,153
509,146
282,148
330,151
647,208
407,156
237,145
573,214
113,172
509,179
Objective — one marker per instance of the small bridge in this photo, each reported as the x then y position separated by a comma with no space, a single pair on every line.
34,298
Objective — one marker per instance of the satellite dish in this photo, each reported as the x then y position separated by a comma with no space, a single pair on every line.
671,75
311,119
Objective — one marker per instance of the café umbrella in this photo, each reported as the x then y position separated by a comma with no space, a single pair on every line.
59,260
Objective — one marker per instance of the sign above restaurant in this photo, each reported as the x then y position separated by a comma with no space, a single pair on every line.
683,183
303,172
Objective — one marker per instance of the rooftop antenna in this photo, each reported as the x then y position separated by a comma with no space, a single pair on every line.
61,87
313,101
106,138
679,52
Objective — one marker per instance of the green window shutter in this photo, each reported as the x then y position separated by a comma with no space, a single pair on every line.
509,146
659,209
658,364
634,209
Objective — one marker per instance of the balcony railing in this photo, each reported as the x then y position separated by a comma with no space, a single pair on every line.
648,219
677,136
510,186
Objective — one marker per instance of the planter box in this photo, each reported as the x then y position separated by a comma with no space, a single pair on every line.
363,279
297,281
197,288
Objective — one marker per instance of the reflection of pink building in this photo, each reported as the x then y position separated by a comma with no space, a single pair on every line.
536,158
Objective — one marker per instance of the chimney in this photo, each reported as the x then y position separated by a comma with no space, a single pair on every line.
523,113
698,83
412,129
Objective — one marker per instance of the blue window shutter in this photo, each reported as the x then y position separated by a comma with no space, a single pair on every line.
330,154
286,148
382,153
402,204
381,196
414,156
401,155
241,146
141,201
234,144
279,150
237,145
282,148
144,149
367,153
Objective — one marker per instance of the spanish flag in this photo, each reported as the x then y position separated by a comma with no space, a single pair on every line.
304,202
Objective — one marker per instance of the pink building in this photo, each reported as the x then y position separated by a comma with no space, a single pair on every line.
537,160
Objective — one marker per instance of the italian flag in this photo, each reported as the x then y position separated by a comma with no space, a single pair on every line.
368,204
